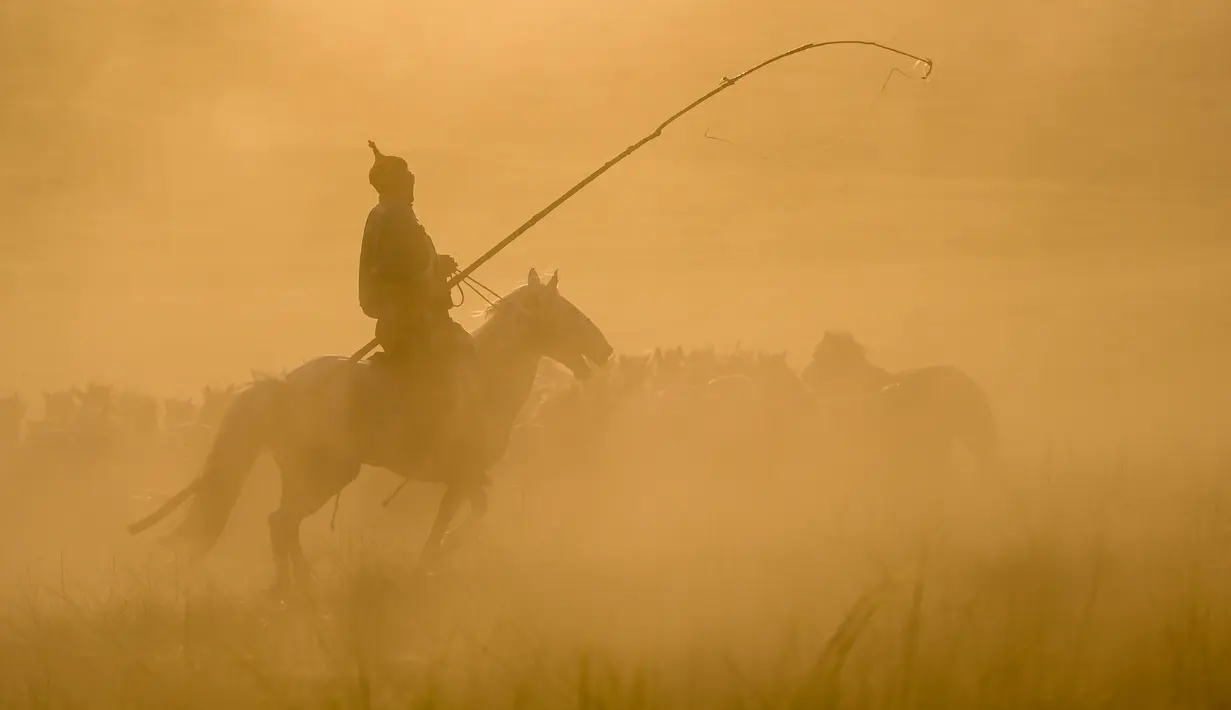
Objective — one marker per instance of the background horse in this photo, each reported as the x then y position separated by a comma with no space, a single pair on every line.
314,423
920,414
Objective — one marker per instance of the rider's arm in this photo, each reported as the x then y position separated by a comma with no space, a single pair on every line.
369,256
418,252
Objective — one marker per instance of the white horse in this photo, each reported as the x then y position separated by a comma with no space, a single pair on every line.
316,422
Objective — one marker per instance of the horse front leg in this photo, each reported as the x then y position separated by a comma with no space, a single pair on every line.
478,508
449,503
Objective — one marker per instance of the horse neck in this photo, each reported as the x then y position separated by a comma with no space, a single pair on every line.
508,362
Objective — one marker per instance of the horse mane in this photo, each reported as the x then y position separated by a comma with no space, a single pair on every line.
504,301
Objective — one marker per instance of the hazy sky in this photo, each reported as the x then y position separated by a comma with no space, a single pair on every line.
166,161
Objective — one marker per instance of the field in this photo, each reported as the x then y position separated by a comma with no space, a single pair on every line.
1066,583
182,202
659,569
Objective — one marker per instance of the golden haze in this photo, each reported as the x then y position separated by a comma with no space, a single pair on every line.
184,188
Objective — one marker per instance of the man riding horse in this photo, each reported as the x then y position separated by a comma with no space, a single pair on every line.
316,422
403,284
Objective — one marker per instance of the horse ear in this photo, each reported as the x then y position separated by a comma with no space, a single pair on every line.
554,282
533,278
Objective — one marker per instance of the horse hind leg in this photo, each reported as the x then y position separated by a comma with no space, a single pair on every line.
307,484
445,510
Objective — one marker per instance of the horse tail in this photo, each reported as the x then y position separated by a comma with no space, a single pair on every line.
243,433
165,509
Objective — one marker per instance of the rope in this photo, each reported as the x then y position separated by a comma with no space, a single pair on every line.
457,304
478,288
475,285
727,82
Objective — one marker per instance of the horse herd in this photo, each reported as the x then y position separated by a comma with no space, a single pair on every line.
100,419
521,405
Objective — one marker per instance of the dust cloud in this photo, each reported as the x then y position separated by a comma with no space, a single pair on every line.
181,204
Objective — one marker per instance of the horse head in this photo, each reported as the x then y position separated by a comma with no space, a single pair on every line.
633,371
668,365
178,411
773,361
838,350
555,327
840,363
96,399
214,403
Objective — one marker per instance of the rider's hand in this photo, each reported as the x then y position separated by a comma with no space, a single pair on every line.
448,264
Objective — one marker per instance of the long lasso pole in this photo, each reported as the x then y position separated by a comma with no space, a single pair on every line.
727,82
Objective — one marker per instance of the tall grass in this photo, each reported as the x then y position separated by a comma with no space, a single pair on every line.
1085,592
